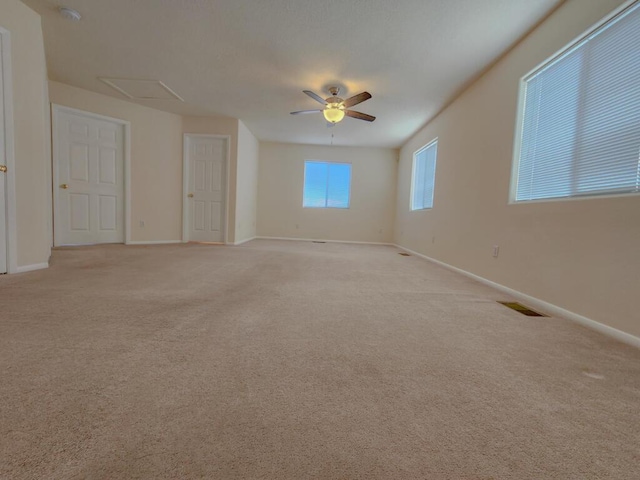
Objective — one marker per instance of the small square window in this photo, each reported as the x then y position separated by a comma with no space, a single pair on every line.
326,184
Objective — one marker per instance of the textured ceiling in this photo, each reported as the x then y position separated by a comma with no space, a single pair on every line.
251,59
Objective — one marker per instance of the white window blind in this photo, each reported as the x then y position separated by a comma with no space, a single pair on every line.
326,184
580,130
424,176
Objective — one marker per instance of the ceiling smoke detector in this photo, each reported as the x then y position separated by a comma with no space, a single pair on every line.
70,14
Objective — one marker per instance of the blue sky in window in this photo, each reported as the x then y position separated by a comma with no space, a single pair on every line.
326,185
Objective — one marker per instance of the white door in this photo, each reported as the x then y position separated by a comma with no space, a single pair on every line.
206,188
89,180
3,174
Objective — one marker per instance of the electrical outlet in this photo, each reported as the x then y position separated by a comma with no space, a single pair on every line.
141,223
496,250
433,239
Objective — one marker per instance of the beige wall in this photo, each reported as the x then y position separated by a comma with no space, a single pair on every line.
581,255
280,182
247,184
156,160
31,140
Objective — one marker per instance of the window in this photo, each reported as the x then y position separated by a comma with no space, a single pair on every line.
424,176
579,133
326,184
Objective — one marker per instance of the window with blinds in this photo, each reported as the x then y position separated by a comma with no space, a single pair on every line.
326,184
424,176
579,133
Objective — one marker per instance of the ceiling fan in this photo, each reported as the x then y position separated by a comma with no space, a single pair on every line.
335,108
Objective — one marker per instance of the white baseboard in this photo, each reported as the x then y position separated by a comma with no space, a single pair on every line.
153,242
31,268
240,242
543,306
322,240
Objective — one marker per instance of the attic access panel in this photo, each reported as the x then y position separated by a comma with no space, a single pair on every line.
138,89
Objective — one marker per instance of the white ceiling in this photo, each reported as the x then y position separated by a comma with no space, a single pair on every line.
251,59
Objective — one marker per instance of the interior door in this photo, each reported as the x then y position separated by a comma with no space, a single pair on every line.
206,197
89,166
3,174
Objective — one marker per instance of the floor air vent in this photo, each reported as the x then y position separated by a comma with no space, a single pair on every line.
404,254
522,309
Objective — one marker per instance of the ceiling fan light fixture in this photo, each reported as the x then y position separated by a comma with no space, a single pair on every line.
334,112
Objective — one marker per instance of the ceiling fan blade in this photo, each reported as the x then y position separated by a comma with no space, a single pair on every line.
305,111
356,99
317,98
359,115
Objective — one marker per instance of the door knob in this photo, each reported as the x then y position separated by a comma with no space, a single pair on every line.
64,186
190,195
3,168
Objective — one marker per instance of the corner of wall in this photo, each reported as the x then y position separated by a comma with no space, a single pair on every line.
29,232
246,184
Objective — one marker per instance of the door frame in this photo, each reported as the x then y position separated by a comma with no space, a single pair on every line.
57,109
185,183
9,152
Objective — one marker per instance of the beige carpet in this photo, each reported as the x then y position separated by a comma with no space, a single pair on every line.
294,360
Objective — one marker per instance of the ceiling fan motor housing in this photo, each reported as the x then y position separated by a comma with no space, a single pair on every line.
334,98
